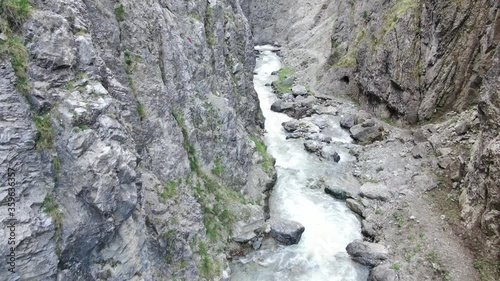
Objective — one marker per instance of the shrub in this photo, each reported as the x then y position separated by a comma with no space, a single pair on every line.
120,12
14,48
45,139
16,11
268,162
141,111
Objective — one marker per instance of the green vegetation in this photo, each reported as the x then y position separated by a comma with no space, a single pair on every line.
209,269
12,14
120,12
283,74
141,111
209,35
268,163
45,138
399,219
396,266
487,268
16,11
218,169
130,60
193,161
169,190
397,11
51,207
388,120
14,48
56,165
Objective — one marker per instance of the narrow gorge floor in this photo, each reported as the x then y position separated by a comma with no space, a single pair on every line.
329,224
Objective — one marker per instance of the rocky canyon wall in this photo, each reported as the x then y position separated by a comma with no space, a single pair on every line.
408,62
132,127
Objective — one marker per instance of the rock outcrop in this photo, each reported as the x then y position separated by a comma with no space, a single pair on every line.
132,127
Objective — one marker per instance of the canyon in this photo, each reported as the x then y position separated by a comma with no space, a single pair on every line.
143,145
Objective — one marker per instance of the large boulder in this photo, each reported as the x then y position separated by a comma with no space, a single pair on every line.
330,154
337,193
355,206
347,122
383,272
375,191
299,90
286,232
291,126
366,132
312,146
366,253
280,106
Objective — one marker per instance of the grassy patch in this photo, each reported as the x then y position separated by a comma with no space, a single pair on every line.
45,138
51,207
193,161
399,219
141,111
488,269
16,11
389,121
209,35
56,165
169,190
283,74
209,269
120,12
396,12
14,48
268,163
218,169
396,266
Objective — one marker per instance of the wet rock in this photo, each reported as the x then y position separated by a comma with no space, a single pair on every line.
366,253
375,191
383,272
355,206
291,126
337,193
319,137
295,135
366,134
312,146
347,122
286,232
299,90
329,153
280,106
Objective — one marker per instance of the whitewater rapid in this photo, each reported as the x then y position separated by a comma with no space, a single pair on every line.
329,225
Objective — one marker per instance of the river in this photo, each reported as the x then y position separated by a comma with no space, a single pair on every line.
329,225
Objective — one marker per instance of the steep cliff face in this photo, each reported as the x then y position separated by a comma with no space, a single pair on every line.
408,62
132,127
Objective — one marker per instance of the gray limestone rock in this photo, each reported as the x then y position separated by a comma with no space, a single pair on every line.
355,206
299,90
330,154
375,191
286,232
383,272
312,146
366,253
